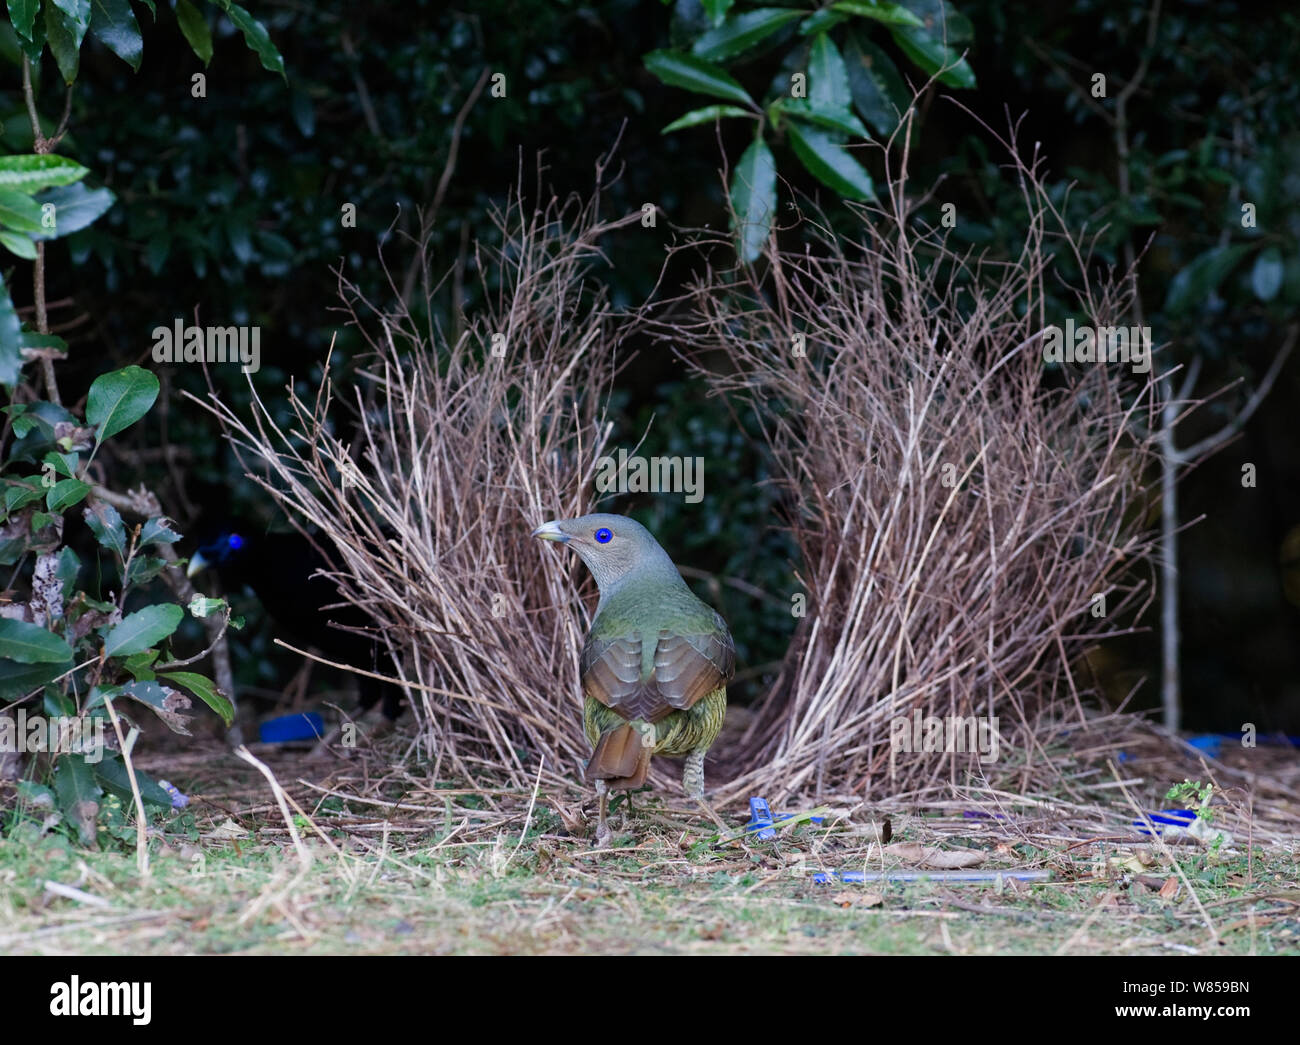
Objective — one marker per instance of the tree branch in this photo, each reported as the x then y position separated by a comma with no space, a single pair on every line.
1212,442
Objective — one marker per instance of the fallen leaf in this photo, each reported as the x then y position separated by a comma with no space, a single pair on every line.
932,856
852,898
228,830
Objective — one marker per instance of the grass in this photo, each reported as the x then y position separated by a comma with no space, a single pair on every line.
416,867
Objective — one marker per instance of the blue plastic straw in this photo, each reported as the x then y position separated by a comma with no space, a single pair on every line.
822,878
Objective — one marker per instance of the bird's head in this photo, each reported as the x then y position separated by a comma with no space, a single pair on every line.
227,548
612,546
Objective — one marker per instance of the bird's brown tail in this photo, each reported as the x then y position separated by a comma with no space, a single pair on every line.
620,759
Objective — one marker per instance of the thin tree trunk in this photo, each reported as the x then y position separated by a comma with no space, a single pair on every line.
1170,637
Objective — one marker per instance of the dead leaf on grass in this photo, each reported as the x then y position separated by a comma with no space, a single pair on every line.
850,898
932,856
226,831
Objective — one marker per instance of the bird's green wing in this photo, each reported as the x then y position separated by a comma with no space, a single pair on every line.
686,668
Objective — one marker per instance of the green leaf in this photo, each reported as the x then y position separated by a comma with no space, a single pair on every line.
31,173
931,55
18,679
157,531
75,207
106,525
23,13
753,198
695,74
708,114
65,493
40,520
140,665
255,36
112,23
118,400
66,22
78,794
19,211
717,9
828,80
19,494
31,644
168,706
943,21
879,93
67,570
11,360
63,464
111,773
1266,276
889,14
144,568
206,690
34,794
739,32
1201,277
842,121
194,27
822,21
827,161
18,244
140,630
203,606
35,47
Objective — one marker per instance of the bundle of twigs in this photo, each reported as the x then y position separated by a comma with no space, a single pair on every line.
429,481
963,523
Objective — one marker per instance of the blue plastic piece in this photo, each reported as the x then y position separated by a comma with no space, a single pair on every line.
761,819
863,877
179,801
1210,743
282,730
1167,817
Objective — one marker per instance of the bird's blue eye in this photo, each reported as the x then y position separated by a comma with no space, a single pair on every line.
234,542
604,536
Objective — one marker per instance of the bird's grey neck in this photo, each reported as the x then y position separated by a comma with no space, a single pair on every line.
653,569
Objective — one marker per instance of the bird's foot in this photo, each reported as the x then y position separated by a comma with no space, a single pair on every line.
604,836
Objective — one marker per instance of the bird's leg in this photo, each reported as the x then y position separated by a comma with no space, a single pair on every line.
693,775
693,785
603,834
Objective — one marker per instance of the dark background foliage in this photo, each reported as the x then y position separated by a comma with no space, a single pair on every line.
229,206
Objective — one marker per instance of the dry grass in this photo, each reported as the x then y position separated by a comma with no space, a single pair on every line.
400,862
956,514
462,445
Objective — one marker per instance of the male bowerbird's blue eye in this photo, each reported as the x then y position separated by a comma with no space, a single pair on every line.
604,536
234,542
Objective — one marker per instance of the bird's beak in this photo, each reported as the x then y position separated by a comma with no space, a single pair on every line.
197,565
551,532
